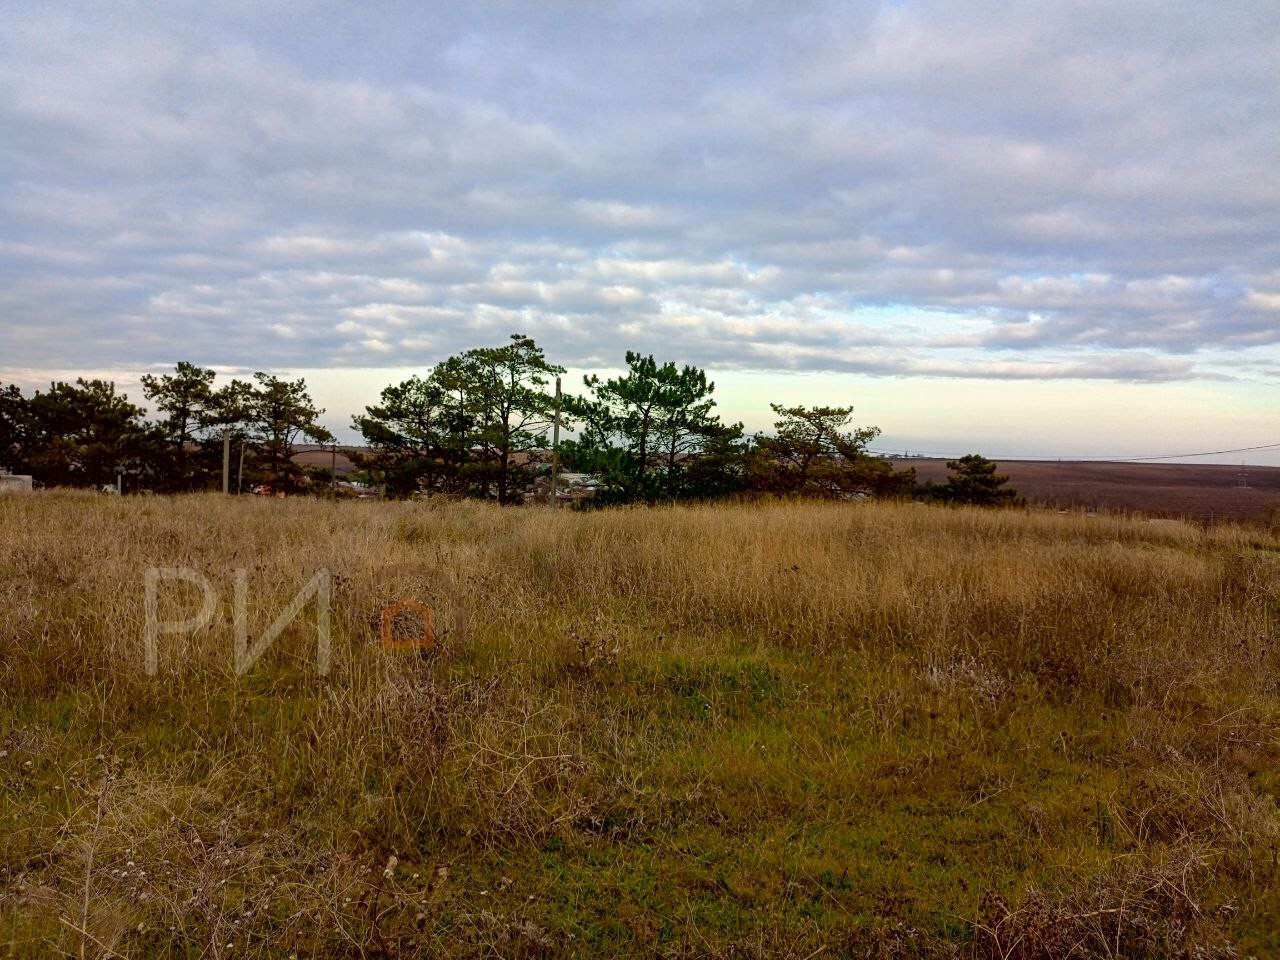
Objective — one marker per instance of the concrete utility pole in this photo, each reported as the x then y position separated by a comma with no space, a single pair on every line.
333,470
226,460
555,445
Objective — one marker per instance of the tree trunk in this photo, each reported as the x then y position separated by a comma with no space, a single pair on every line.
671,467
504,458
642,461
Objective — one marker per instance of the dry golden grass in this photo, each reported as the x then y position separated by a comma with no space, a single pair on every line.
775,730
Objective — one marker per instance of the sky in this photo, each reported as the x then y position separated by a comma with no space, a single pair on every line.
1037,229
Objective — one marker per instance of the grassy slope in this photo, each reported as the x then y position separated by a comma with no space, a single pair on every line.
870,730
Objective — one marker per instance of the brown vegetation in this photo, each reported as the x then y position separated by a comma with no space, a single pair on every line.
864,730
1198,490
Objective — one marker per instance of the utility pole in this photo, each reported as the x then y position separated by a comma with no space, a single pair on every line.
555,445
226,460
333,469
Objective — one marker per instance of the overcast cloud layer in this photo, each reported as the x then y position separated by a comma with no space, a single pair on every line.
969,189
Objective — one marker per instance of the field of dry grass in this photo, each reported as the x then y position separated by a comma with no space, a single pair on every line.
791,730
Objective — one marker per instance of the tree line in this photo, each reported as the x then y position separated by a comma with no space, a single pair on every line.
477,425
85,434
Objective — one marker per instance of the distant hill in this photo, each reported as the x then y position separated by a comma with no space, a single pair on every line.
1171,489
321,458
1201,490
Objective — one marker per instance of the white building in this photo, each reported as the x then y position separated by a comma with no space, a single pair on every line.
15,483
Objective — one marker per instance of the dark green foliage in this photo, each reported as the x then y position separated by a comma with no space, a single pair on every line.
185,398
476,425
472,426
279,412
644,431
264,418
84,434
814,453
13,426
974,481
720,469
410,431
510,411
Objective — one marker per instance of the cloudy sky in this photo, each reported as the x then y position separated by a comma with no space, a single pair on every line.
1041,228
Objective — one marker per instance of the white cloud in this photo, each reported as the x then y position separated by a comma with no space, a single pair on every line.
1030,191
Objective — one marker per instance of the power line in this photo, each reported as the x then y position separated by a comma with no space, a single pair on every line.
1206,453
1160,456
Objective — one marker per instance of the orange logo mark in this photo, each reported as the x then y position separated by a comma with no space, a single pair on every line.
428,638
